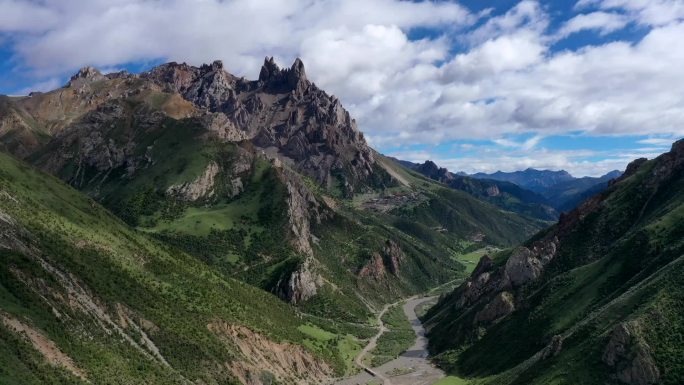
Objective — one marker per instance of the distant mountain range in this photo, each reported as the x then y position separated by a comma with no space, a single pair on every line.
506,195
541,194
563,191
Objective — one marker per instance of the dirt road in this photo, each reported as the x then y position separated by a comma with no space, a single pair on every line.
413,362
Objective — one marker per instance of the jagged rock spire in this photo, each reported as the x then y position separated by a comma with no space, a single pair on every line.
297,73
87,73
269,70
285,79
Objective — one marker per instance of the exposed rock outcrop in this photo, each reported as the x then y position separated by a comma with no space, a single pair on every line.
374,268
287,363
85,76
387,260
493,191
630,356
523,266
526,265
284,111
202,187
553,348
501,306
301,284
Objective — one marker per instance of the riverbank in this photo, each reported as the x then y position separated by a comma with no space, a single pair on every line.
412,367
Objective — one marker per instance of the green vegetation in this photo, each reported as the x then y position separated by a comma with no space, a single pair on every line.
621,263
471,259
170,294
340,349
451,380
396,340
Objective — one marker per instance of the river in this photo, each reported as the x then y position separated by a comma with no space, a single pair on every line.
414,359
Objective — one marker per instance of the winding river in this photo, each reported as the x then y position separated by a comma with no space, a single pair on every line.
413,362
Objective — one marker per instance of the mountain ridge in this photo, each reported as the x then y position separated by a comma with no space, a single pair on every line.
592,299
266,182
505,195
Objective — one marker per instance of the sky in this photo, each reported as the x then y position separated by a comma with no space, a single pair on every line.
474,85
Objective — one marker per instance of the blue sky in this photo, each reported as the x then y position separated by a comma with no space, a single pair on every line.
582,85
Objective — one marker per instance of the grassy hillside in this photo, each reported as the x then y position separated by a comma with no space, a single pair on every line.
606,309
118,306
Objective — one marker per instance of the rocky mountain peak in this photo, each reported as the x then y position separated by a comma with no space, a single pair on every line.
88,73
297,73
275,79
85,76
268,70
432,171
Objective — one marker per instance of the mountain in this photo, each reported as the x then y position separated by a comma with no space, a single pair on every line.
505,195
596,299
535,180
563,191
86,299
250,218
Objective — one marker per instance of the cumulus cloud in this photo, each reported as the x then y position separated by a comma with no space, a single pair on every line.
604,22
645,12
505,78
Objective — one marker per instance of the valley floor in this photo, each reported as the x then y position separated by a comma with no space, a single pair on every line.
412,367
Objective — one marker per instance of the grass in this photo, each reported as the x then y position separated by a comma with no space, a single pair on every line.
341,348
620,263
397,339
173,291
200,221
316,333
471,259
452,380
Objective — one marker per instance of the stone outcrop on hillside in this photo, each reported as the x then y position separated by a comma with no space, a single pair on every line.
495,284
387,261
202,187
630,357
502,305
301,284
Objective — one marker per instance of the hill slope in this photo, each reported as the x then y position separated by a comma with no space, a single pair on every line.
85,298
267,181
596,299
505,195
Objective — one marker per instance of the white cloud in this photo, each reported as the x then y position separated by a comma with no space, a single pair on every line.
604,22
646,12
42,86
663,142
505,79
527,15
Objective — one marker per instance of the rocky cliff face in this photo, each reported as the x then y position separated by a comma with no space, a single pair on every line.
387,261
494,285
282,112
630,356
